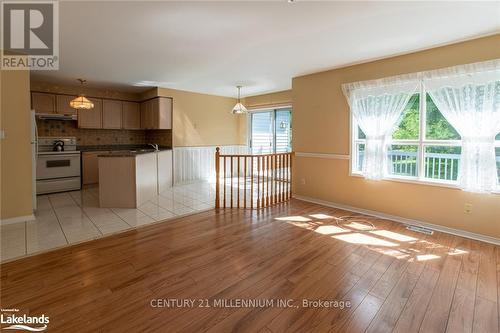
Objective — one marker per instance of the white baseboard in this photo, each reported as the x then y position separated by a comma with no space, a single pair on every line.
17,219
404,220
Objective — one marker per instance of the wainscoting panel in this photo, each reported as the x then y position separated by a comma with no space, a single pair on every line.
198,163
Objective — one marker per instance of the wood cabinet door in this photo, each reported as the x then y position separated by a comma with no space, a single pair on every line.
111,113
91,118
157,113
146,119
90,169
43,102
164,116
131,115
62,104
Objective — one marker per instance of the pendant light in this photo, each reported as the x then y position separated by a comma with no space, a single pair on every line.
239,108
81,102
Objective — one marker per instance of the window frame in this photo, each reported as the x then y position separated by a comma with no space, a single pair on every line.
273,110
421,144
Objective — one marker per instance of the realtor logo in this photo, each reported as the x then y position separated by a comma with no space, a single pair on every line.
22,322
30,35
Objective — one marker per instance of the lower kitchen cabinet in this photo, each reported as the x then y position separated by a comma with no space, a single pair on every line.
90,169
164,170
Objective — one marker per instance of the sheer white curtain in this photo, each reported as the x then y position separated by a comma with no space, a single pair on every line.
377,107
469,98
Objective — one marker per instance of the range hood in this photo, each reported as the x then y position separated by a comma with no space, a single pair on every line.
55,116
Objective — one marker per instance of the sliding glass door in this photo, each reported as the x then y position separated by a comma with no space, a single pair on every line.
271,131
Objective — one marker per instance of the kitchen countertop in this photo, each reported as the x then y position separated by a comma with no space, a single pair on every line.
131,153
114,148
121,150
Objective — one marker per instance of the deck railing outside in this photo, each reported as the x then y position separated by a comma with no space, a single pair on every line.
437,166
252,180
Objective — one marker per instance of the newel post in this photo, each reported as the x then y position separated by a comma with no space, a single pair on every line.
217,178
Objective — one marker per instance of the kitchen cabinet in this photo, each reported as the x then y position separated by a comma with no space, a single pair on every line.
165,172
131,115
156,113
111,114
62,104
91,118
90,169
43,102
129,180
146,116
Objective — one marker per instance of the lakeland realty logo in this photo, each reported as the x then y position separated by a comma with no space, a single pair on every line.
30,35
23,322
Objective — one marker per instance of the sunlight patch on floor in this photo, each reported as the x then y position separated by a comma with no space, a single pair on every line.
355,230
304,225
393,235
357,238
359,226
329,230
455,252
425,257
293,218
321,216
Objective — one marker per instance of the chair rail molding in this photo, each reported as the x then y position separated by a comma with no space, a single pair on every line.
323,155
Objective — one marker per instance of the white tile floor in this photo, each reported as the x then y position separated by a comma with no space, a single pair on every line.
72,217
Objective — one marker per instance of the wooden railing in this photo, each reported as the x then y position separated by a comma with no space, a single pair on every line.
252,181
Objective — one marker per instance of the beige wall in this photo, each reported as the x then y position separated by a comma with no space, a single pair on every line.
15,149
321,125
204,120
269,100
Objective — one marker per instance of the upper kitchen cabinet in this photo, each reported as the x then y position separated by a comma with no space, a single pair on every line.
162,112
146,114
91,118
156,113
62,104
111,114
43,102
131,115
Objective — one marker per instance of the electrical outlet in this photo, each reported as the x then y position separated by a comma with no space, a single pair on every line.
302,181
468,208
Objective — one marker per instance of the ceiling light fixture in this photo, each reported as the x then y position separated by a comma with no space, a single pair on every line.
81,102
239,108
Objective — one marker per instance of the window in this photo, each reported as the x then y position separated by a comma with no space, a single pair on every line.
271,131
424,146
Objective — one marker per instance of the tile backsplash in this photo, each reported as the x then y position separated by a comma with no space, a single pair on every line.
92,137
161,137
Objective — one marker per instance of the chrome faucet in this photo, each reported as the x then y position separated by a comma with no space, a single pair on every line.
154,145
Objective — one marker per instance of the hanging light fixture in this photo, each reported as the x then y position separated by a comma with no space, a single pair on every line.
81,102
239,108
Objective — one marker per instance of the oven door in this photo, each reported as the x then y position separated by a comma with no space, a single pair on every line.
57,166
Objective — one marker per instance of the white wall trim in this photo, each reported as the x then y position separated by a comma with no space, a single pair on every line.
323,155
17,219
403,220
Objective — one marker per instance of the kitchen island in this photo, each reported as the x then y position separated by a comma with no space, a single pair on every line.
127,179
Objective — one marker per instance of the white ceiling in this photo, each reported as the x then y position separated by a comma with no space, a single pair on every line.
211,47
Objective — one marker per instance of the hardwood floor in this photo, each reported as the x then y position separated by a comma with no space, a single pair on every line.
395,279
